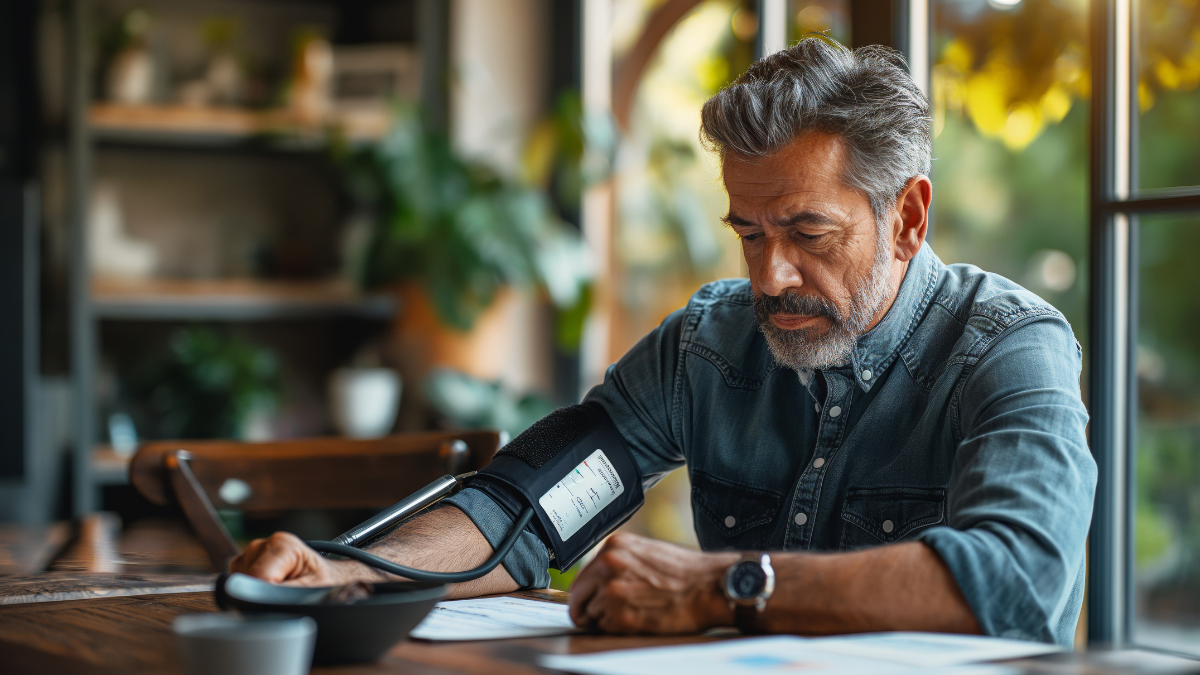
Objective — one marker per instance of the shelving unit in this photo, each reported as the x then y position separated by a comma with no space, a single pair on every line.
97,131
182,126
234,300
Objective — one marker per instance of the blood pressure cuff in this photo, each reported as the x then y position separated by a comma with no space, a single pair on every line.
574,468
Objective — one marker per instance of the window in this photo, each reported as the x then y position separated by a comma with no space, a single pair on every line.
1166,466
1144,581
1010,128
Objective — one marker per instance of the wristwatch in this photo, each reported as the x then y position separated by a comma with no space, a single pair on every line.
749,583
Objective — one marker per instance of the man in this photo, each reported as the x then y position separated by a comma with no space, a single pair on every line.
906,437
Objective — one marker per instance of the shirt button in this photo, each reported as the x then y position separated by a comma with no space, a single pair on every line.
887,526
801,519
835,411
817,407
866,374
818,462
730,521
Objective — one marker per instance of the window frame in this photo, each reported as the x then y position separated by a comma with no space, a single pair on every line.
1115,204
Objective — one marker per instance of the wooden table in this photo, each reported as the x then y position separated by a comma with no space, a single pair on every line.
132,634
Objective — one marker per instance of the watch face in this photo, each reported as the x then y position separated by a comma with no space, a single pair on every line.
747,580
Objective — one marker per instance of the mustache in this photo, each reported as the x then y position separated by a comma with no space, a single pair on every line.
789,302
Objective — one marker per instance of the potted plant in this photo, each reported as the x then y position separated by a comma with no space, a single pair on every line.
454,237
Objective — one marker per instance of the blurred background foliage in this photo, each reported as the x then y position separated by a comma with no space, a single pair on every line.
1015,69
1167,525
1012,71
211,383
460,229
568,151
473,403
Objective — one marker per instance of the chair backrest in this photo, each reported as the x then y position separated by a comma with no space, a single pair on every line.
320,473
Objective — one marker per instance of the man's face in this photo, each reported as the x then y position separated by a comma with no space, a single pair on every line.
821,270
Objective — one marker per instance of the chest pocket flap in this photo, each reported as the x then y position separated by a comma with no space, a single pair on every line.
874,516
731,509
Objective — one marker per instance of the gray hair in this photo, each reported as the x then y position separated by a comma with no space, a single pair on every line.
865,96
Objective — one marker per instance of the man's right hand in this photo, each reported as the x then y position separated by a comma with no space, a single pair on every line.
283,558
444,540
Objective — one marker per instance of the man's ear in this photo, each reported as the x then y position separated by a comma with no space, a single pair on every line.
910,218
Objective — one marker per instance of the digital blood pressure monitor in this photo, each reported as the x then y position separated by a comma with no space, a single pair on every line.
570,475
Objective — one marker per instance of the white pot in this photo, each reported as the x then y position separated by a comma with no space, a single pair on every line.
363,401
131,77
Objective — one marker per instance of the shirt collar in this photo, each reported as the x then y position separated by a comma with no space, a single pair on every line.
878,347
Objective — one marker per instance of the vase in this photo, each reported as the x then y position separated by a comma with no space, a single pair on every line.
363,401
510,343
131,77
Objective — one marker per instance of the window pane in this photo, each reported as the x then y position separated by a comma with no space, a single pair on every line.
1011,143
1168,93
1167,523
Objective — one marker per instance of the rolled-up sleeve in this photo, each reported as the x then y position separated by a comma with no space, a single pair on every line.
528,562
1022,485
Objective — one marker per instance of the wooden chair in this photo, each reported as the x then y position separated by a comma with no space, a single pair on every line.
321,473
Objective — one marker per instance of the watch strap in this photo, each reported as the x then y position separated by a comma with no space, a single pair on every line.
745,617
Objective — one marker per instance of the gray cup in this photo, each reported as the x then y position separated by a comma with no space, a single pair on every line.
226,643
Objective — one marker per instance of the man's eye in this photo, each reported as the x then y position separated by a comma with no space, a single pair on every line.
751,236
811,237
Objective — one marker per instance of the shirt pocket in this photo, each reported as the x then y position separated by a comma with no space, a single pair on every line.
731,516
874,516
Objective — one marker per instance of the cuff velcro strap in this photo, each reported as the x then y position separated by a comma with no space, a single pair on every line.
574,468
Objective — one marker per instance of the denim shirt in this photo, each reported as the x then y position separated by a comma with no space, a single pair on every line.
957,421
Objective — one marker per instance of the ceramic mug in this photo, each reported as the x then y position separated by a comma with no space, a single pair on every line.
225,643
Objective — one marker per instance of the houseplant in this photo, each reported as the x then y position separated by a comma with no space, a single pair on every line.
457,228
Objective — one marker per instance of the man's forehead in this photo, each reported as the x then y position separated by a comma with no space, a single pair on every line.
813,161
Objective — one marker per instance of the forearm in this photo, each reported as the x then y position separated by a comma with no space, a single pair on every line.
444,540
900,587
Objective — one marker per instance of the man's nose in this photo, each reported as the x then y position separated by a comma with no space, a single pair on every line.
781,267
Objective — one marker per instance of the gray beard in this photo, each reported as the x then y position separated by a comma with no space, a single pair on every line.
803,349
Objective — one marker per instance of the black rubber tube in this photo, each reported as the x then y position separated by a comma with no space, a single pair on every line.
425,575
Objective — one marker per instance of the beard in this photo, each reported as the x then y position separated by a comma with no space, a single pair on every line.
805,349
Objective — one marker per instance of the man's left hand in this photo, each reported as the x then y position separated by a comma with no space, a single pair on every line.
640,585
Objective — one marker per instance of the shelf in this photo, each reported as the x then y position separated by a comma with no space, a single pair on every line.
192,127
233,300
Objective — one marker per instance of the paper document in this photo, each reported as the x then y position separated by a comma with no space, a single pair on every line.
931,649
748,656
493,619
